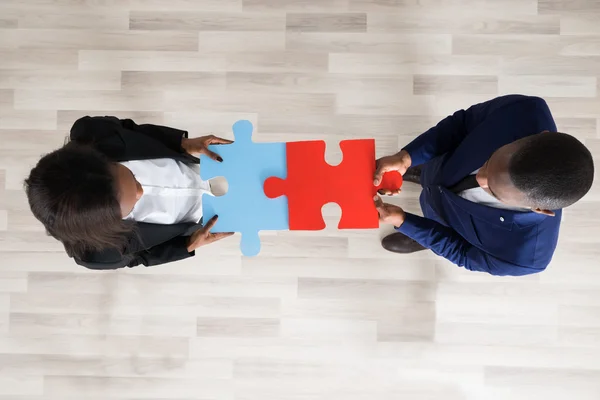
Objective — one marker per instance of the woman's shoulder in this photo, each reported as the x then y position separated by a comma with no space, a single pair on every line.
87,128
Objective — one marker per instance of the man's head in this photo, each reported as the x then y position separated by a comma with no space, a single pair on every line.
81,198
544,172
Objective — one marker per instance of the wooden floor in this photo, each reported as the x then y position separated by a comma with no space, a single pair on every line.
317,316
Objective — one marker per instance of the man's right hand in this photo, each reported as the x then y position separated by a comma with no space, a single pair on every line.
202,236
400,162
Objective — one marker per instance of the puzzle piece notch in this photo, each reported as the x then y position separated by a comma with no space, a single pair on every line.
312,183
245,208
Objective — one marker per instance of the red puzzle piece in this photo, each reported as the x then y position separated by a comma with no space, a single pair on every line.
312,183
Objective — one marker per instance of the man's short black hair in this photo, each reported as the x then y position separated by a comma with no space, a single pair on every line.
553,169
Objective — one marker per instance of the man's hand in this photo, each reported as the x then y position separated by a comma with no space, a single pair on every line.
389,213
197,146
398,162
202,236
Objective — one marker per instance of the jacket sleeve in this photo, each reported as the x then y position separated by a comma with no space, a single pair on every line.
123,136
450,132
170,137
447,243
170,251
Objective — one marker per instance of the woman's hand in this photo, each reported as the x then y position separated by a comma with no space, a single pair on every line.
389,213
197,146
202,236
398,162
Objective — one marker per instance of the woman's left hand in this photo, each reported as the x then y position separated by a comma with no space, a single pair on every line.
199,145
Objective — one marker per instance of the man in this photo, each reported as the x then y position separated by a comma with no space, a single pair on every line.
495,178
121,194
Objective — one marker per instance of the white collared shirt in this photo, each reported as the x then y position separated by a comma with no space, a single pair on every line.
172,191
480,196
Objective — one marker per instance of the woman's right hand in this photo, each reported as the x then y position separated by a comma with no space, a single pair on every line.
202,236
199,145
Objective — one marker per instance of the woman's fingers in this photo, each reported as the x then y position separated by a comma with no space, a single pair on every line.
217,140
211,223
212,155
220,235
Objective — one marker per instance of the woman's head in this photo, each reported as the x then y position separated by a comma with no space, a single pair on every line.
81,197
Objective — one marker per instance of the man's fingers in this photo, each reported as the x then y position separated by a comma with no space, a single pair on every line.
378,202
388,192
382,208
378,175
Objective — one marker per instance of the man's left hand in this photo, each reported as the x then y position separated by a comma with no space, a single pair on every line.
389,213
197,146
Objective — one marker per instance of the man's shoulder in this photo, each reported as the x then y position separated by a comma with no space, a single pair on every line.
519,101
522,115
525,240
540,239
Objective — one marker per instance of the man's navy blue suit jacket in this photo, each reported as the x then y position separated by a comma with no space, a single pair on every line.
477,237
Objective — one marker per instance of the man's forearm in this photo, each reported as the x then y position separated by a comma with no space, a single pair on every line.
446,242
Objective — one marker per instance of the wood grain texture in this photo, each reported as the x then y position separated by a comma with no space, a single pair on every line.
318,315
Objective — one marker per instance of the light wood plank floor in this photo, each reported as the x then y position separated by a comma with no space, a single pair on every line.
325,315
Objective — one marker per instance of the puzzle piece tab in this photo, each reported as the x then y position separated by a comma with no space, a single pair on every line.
312,183
245,208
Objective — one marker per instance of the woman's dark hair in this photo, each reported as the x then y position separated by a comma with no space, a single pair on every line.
553,169
73,192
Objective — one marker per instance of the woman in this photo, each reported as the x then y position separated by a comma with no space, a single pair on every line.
121,194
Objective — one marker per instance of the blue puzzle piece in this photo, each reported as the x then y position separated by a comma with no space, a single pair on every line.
245,208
